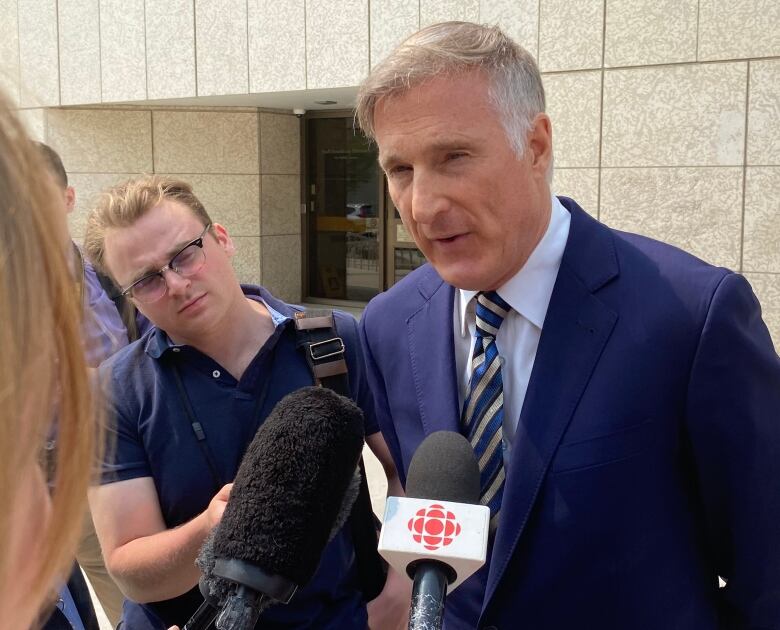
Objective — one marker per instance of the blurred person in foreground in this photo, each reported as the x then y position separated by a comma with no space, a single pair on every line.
108,323
622,396
42,374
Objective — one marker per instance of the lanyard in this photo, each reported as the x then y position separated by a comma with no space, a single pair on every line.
197,427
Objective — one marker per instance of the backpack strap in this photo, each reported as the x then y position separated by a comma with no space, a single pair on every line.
324,350
124,307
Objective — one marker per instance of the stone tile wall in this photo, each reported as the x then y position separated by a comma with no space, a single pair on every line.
666,113
243,164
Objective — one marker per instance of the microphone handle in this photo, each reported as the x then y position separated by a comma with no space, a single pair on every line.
428,594
202,618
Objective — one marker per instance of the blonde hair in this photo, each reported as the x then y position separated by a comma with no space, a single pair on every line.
452,48
44,385
125,203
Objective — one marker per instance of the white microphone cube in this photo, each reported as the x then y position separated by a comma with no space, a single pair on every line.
455,534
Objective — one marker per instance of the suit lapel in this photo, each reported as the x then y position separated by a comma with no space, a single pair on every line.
576,328
433,356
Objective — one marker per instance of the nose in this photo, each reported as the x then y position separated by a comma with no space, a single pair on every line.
177,285
429,198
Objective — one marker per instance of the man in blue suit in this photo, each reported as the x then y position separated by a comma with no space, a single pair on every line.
622,396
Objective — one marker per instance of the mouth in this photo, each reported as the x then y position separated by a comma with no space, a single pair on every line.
448,239
188,305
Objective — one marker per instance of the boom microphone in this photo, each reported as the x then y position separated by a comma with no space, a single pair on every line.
292,493
437,535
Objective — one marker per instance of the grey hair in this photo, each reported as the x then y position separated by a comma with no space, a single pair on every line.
452,48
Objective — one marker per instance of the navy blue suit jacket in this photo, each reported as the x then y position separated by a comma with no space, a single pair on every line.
647,456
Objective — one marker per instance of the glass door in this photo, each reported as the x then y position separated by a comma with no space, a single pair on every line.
355,243
402,254
344,212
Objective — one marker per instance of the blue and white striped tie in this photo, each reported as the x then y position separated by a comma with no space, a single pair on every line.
483,410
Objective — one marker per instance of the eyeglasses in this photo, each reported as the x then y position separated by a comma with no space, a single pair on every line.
187,262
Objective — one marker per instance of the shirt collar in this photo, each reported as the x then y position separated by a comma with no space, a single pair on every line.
158,342
528,292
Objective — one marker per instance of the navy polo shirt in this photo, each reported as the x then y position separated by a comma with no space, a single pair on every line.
153,437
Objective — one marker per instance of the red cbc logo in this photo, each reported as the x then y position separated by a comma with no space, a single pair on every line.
434,527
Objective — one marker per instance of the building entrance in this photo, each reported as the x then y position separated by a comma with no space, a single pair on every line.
356,245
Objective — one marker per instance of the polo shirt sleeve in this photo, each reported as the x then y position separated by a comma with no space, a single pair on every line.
125,456
358,384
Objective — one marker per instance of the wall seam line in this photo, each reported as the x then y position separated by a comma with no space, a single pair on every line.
744,170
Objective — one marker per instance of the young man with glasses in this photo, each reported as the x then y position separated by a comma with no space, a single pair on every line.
225,353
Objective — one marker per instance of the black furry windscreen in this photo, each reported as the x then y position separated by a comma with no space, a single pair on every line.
295,485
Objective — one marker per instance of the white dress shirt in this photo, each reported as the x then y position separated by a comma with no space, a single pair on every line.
528,293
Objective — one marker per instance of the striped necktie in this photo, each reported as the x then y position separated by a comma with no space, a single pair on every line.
483,409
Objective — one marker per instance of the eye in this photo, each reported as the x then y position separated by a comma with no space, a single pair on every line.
186,256
147,281
455,155
398,170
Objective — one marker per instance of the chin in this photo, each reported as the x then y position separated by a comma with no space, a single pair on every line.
461,280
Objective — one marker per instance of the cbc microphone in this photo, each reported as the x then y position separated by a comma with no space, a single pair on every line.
293,491
437,534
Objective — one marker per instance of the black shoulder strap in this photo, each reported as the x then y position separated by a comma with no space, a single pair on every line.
324,350
123,306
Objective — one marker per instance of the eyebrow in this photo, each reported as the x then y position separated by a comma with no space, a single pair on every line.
440,146
176,249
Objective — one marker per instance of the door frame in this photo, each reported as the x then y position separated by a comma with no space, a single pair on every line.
306,211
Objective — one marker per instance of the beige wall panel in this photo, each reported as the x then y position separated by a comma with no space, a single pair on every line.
766,286
581,184
281,257
280,144
336,42
674,115
574,106
220,29
9,51
432,11
763,145
697,209
392,21
122,50
246,260
102,141
34,121
570,34
761,241
277,45
79,30
38,53
640,32
735,29
232,200
518,18
88,187
205,142
281,204
170,48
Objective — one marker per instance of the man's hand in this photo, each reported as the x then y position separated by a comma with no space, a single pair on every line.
217,505
148,561
390,609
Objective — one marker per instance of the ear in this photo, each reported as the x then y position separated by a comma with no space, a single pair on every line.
540,145
223,238
70,199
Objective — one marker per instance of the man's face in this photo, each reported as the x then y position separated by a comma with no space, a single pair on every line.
192,307
474,209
